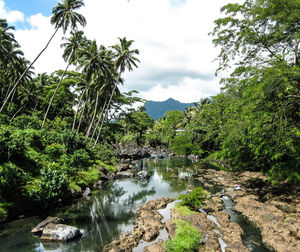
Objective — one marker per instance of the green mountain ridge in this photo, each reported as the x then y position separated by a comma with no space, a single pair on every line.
157,109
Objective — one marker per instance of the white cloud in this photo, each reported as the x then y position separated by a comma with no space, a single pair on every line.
176,52
9,15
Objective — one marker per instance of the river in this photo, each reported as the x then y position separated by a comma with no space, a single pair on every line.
106,214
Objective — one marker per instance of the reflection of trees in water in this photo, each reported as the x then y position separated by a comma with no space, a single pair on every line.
170,170
139,196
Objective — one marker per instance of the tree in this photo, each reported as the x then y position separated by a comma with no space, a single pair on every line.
257,32
258,125
124,58
72,46
63,16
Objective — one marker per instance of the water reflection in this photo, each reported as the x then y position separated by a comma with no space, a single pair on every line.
108,213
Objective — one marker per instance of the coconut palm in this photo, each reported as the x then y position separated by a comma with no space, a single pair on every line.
96,64
124,58
72,46
63,16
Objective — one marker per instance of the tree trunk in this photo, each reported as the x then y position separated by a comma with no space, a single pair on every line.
55,91
99,132
93,118
110,98
97,124
81,116
74,121
26,70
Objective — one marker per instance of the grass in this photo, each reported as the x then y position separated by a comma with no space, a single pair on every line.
186,238
183,210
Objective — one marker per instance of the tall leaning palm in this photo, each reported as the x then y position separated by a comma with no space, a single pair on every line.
63,16
124,58
72,46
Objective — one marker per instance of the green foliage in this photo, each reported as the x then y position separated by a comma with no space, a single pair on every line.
194,200
11,178
54,151
186,238
87,178
80,159
108,168
182,145
53,186
3,212
183,210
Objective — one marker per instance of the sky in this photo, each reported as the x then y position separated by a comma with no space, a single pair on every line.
176,52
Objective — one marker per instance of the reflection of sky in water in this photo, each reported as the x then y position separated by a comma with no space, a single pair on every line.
109,212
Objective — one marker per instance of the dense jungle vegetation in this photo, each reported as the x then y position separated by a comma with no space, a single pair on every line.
253,124
57,129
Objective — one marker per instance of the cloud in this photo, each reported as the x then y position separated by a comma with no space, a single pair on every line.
9,15
176,52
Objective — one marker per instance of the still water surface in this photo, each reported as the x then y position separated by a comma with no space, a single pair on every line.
107,214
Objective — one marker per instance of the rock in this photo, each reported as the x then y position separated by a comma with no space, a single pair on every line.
111,176
60,232
40,227
99,184
147,228
87,192
156,247
124,175
142,175
122,167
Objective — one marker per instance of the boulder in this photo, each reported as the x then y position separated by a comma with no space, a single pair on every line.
40,227
60,232
122,167
124,175
143,175
87,192
99,184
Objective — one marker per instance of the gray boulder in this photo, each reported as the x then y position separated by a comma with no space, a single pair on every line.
87,192
143,175
122,167
40,227
60,232
124,175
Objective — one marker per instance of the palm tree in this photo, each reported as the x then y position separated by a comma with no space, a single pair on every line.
96,64
7,40
63,16
72,46
124,58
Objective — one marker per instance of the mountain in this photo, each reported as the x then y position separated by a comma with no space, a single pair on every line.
157,109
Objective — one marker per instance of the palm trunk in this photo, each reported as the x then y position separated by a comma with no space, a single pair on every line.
81,116
13,117
99,132
74,121
26,70
93,118
55,91
110,98
97,124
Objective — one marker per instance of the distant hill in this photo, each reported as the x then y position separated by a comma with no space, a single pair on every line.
157,109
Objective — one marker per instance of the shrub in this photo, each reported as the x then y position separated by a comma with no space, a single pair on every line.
11,180
54,185
194,200
186,238
54,151
80,159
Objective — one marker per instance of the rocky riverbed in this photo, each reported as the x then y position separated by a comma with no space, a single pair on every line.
275,211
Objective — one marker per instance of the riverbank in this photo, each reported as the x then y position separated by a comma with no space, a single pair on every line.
275,211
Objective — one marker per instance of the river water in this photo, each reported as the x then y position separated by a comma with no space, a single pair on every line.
107,213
